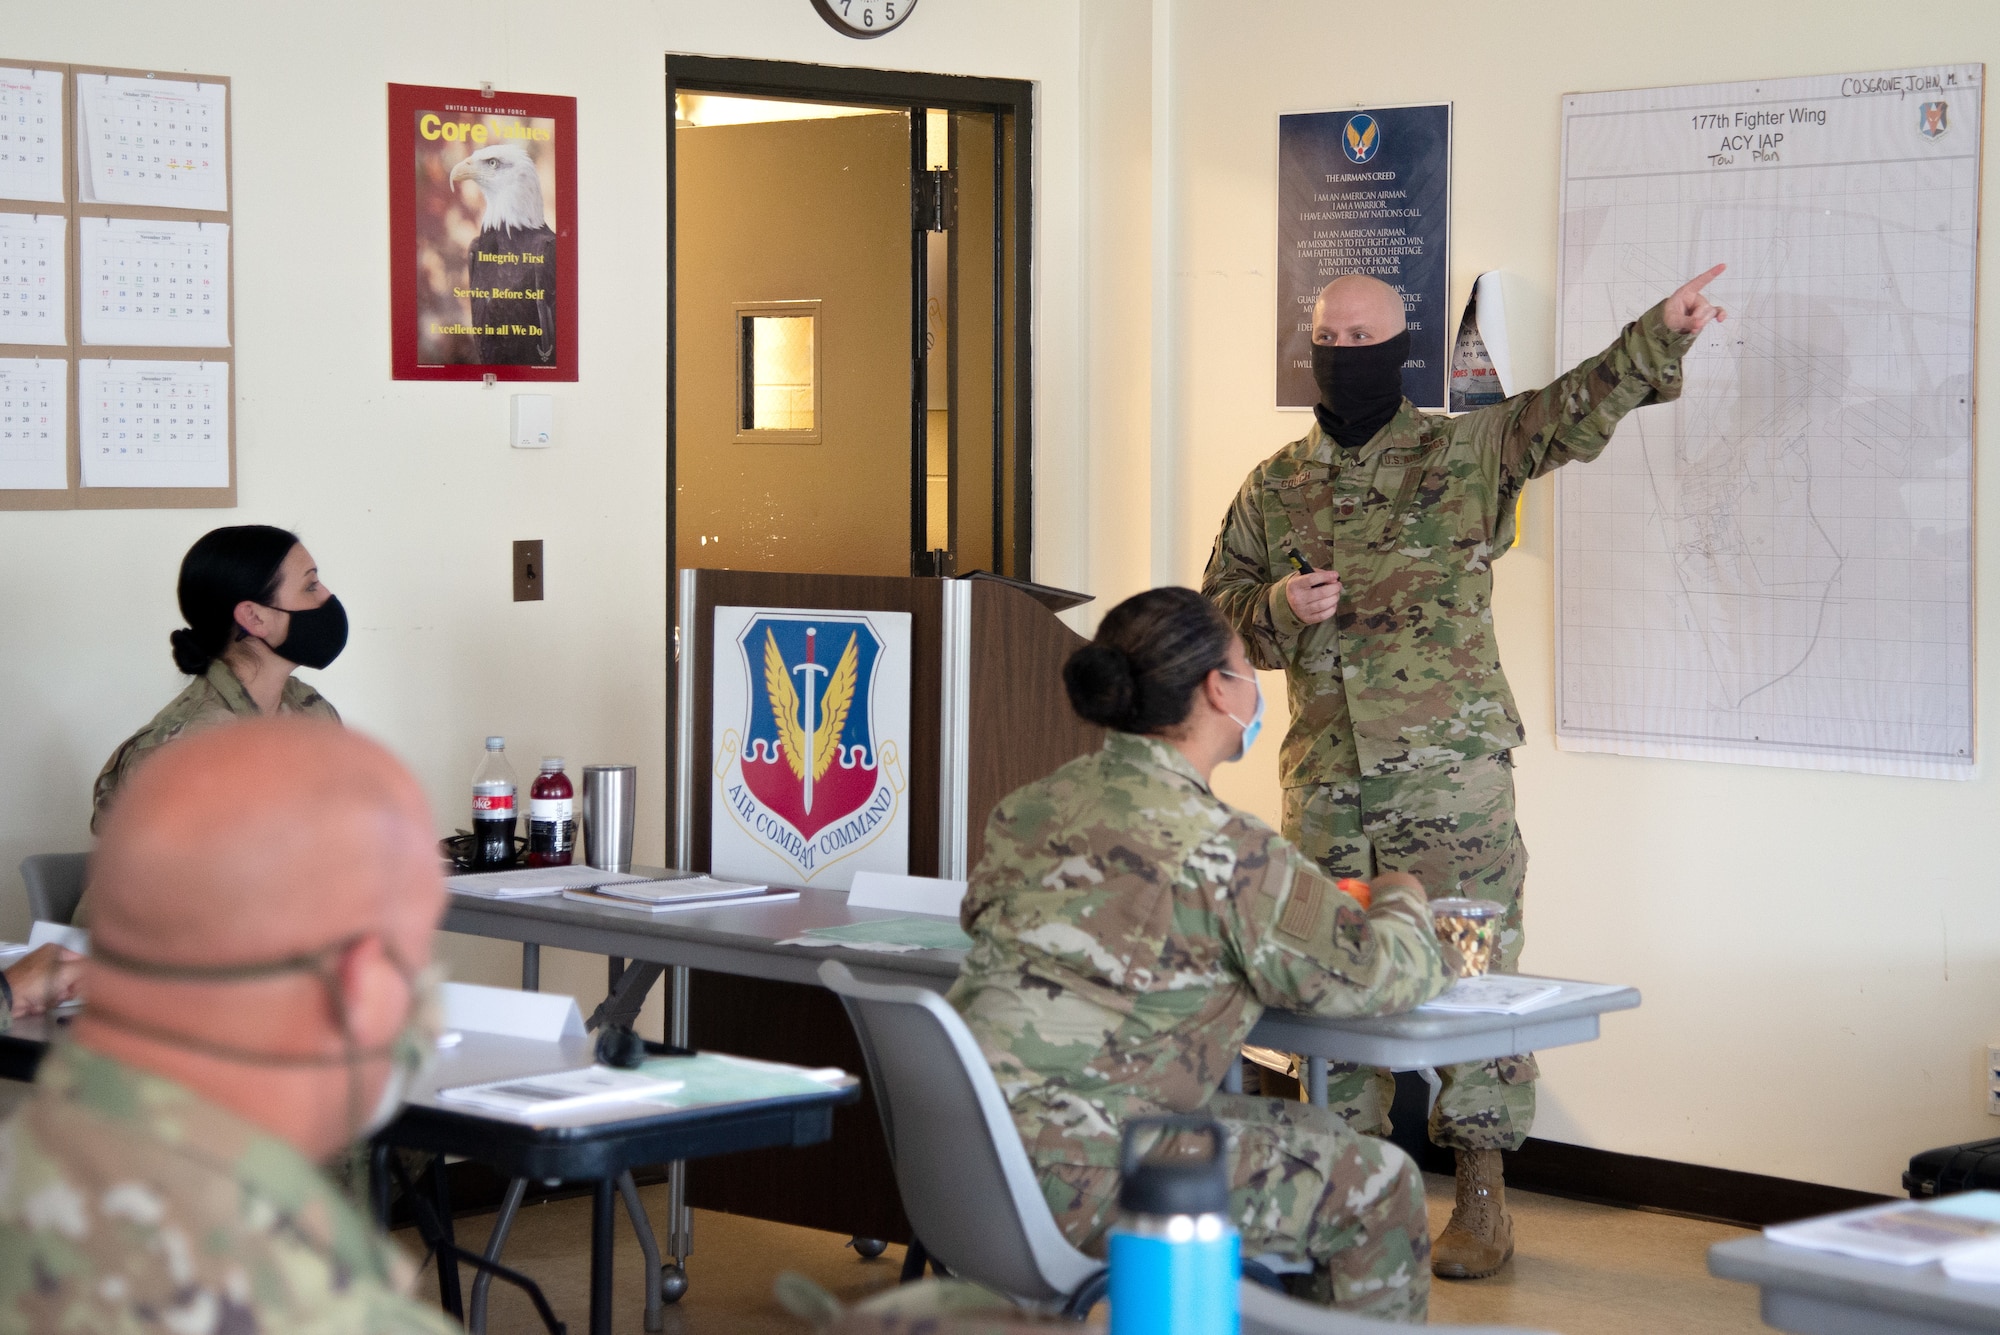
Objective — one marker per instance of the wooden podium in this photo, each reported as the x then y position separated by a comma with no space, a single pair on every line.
988,713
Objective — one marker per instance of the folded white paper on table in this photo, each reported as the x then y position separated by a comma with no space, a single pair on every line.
1495,994
546,1017
60,933
905,894
1901,1233
679,888
762,895
560,1091
525,882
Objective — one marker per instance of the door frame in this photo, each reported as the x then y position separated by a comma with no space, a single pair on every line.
798,81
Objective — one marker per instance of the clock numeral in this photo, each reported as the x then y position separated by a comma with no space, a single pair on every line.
888,13
867,18
843,7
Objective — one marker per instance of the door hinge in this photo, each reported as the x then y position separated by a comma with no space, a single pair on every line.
934,202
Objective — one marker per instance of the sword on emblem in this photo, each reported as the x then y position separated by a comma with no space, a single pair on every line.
808,710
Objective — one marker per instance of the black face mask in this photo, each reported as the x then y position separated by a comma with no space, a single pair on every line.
1360,387
317,636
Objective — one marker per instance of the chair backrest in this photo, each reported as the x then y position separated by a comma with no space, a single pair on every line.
967,1185
55,884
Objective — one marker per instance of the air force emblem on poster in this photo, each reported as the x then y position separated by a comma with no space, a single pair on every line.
1932,122
811,726
1361,138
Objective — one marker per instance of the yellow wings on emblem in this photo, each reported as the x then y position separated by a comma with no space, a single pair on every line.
834,704
1360,141
784,705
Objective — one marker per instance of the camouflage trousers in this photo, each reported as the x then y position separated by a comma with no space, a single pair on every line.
1302,1184
1452,827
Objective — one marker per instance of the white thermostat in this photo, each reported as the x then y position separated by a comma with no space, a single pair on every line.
534,421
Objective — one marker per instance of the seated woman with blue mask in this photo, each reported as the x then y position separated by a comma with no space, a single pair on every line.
1128,929
255,611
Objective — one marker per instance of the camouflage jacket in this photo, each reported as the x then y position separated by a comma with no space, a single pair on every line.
214,697
1407,674
127,1203
1128,928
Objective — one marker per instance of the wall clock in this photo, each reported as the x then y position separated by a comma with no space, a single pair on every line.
864,18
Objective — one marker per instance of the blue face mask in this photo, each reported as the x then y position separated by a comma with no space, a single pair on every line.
1256,723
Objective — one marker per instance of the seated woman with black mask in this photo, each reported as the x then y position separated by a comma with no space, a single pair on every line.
255,611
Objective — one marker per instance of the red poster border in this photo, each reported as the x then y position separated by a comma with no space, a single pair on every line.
404,101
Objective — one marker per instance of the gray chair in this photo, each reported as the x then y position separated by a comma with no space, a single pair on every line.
966,1183
55,883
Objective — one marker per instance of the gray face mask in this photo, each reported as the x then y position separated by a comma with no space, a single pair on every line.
409,1053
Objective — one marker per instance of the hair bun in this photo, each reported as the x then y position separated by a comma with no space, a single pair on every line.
189,655
1102,688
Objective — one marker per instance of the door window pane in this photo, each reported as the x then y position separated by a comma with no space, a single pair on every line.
780,389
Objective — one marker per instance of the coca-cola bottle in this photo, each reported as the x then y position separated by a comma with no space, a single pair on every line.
493,808
551,816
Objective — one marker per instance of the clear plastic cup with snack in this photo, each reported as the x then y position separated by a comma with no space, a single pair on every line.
1468,933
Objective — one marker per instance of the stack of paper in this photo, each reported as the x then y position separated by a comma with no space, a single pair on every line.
1495,994
687,892
893,936
1901,1233
531,1096
525,882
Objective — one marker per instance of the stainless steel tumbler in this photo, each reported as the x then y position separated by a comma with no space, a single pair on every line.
609,811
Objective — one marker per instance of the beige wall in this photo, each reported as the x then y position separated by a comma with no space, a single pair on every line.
406,492
1820,953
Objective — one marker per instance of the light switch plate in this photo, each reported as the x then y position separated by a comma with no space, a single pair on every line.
528,571
534,421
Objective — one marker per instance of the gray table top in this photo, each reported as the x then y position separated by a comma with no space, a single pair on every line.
476,1058
1831,1293
744,940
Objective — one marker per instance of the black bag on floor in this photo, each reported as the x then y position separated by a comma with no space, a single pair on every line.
1972,1166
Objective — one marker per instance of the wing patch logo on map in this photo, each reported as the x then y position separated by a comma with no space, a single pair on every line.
1934,123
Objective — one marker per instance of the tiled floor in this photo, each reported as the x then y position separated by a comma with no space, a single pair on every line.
1578,1270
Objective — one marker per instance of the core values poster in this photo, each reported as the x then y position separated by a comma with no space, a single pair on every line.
1365,191
811,727
482,234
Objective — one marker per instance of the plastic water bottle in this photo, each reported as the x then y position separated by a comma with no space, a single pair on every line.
1175,1258
494,810
551,816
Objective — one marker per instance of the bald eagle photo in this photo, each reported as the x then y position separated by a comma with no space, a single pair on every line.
511,266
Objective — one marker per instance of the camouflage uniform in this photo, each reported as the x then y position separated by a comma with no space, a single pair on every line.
1397,756
129,1204
1128,929
214,697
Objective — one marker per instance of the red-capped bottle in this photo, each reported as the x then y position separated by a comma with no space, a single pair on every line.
551,817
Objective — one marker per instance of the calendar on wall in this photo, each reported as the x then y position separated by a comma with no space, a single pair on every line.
34,286
31,142
153,423
151,141
159,284
34,424
117,370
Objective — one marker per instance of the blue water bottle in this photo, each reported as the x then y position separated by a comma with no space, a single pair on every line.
1174,1254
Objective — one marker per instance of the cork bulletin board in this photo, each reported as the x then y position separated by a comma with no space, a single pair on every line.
117,289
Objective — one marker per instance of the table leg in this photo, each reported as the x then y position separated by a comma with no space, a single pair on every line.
602,1218
1316,1080
531,966
448,1293
475,1320
628,1190
680,1222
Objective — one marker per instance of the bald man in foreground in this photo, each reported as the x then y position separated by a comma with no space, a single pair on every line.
1399,755
258,993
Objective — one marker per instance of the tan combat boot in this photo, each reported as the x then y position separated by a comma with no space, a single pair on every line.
1480,1236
